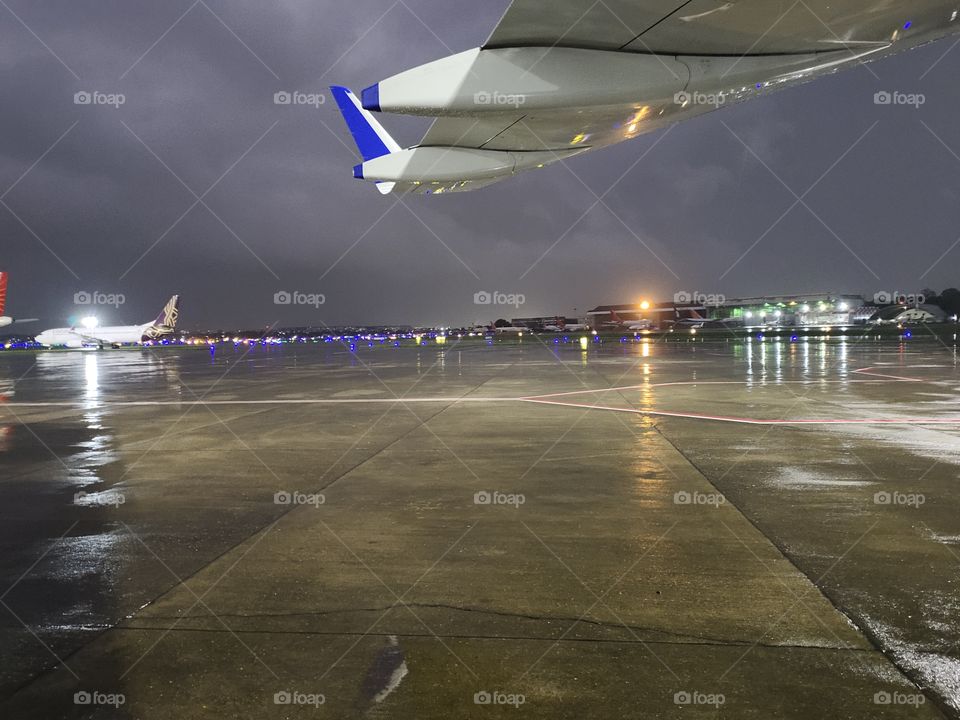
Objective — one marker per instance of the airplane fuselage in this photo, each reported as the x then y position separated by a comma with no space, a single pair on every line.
83,337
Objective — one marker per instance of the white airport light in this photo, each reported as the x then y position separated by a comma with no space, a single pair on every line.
90,322
583,343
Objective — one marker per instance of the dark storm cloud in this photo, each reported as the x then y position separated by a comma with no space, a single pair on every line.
699,211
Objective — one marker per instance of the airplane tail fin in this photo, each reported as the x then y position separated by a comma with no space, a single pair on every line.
372,139
3,291
170,313
166,321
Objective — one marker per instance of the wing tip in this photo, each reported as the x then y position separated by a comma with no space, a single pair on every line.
341,94
371,138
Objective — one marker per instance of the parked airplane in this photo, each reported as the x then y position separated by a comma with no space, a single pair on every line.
561,77
115,336
617,323
572,328
694,321
561,325
4,319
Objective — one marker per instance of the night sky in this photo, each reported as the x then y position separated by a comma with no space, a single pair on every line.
97,198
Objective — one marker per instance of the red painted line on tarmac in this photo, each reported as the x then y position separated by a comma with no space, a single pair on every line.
866,371
674,383
634,387
756,421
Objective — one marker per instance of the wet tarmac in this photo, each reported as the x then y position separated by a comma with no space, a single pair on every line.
647,529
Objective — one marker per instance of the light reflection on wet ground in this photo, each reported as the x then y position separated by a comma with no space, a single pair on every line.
108,508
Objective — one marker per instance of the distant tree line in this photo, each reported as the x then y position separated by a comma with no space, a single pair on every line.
948,300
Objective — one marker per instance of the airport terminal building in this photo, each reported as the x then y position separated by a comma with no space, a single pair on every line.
816,309
807,310
659,314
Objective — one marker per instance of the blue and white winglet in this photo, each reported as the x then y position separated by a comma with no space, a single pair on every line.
372,140
426,169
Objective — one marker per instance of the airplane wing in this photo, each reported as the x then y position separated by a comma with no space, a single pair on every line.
712,27
560,77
